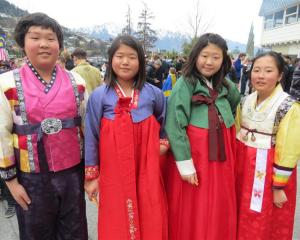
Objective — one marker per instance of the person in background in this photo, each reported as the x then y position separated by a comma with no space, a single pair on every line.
295,86
200,181
245,75
69,61
289,68
151,73
268,149
165,67
61,61
238,65
104,68
232,74
89,73
3,51
169,83
124,123
178,64
41,138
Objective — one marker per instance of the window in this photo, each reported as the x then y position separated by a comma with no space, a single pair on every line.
291,15
278,18
269,21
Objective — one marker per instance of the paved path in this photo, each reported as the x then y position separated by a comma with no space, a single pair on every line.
9,227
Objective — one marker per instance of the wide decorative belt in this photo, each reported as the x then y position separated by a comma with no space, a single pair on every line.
47,126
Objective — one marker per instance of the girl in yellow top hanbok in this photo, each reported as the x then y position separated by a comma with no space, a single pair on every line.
268,133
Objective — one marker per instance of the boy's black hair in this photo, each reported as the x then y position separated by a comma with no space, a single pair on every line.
79,53
37,19
190,71
134,44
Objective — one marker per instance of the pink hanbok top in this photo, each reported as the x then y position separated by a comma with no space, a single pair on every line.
62,149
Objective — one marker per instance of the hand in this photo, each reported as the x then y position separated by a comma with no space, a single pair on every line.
18,192
192,179
92,189
156,80
163,149
279,197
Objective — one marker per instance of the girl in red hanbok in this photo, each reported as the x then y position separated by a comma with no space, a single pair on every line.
200,183
122,150
268,149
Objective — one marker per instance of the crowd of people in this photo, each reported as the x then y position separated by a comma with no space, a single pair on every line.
172,151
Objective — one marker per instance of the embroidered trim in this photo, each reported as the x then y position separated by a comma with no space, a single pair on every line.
259,180
91,172
282,110
281,176
8,173
23,113
134,98
132,228
49,85
77,98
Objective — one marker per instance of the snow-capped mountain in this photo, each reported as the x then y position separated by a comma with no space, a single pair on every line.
167,40
104,32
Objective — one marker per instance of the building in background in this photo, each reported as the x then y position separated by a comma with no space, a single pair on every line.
281,31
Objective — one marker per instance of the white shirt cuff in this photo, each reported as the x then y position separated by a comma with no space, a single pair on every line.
186,167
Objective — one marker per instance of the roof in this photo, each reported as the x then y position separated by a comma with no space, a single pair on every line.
270,6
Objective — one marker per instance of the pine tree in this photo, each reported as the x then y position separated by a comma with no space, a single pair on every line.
145,34
250,43
128,28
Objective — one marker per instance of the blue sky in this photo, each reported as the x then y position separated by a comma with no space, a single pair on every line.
230,18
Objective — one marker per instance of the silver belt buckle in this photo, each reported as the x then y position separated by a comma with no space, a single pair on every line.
51,125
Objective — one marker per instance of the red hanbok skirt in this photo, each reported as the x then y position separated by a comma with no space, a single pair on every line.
207,211
272,223
132,202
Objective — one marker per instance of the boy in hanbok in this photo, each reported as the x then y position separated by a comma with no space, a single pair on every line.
40,135
200,183
268,148
123,126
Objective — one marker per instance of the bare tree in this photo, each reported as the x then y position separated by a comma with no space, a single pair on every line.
145,34
198,24
128,28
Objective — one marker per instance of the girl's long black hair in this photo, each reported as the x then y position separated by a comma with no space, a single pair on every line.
134,44
190,71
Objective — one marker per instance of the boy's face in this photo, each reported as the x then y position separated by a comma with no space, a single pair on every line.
41,47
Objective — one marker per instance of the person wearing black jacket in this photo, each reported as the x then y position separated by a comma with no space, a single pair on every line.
295,87
151,73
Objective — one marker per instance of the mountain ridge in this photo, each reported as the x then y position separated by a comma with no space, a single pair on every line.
167,40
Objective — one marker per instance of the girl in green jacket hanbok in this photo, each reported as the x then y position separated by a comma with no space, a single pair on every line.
200,182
